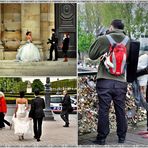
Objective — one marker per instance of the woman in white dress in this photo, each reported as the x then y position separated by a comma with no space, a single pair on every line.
28,52
22,123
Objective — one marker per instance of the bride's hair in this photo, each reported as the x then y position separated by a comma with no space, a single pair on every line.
27,33
22,94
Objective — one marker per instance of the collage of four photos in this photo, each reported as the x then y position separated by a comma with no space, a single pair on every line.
73,74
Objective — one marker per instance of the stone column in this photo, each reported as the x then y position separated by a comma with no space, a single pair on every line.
51,19
47,23
1,47
30,21
51,16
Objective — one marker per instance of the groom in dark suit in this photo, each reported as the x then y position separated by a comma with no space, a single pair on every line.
37,113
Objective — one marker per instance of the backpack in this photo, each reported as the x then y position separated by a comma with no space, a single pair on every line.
115,61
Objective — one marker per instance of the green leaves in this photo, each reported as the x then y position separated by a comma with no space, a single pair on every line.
93,15
84,41
37,84
64,84
12,84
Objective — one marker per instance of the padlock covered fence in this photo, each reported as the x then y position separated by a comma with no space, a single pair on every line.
88,105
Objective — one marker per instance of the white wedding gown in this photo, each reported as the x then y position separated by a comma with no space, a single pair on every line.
28,53
22,124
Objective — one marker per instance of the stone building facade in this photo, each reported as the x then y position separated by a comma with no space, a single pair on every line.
17,19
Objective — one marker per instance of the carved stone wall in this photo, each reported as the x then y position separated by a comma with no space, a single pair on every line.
30,18
66,22
47,23
1,46
17,19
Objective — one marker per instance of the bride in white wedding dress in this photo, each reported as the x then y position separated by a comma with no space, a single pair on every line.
22,123
28,52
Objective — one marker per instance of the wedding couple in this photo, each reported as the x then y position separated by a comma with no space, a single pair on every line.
28,52
22,118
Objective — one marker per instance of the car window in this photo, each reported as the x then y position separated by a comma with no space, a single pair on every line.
56,100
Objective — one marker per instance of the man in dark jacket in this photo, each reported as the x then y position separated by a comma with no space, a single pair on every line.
110,87
54,45
66,105
37,113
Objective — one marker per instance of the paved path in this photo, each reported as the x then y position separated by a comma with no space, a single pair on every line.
43,68
53,134
132,139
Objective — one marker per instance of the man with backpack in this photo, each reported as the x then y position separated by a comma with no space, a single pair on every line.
112,51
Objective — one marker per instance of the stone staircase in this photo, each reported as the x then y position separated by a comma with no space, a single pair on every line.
43,68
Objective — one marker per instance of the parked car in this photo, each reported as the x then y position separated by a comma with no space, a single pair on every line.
56,106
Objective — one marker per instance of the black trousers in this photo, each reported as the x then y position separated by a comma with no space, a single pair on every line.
54,47
111,90
6,122
65,116
37,127
2,120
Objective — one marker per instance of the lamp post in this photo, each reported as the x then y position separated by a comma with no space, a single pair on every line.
58,90
47,111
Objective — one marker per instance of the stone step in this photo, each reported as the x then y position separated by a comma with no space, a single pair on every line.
43,68
10,55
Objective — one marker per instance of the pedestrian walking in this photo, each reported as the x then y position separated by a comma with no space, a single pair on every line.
22,123
66,108
37,113
3,111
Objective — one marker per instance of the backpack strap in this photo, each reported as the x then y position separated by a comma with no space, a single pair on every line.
125,40
111,40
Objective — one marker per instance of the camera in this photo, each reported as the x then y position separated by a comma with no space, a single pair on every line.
49,41
102,31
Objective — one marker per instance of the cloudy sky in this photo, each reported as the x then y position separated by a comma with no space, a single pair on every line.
43,79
